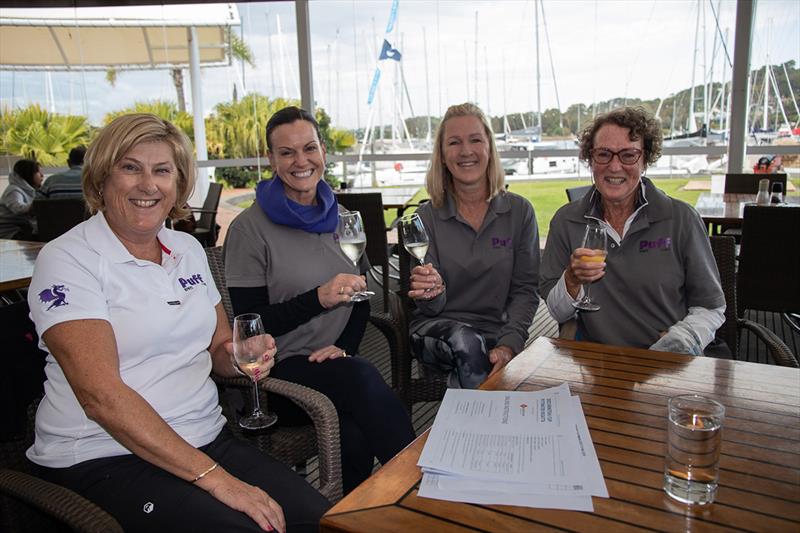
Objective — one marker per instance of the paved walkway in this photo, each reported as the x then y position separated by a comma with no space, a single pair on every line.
227,210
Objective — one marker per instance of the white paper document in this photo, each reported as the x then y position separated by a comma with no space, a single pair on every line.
516,448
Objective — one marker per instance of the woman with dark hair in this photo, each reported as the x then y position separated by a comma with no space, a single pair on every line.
658,287
282,261
477,295
16,222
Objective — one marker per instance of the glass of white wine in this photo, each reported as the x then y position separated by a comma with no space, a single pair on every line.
353,241
415,238
595,239
250,351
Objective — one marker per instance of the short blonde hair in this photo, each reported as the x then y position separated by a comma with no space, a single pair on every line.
118,138
439,179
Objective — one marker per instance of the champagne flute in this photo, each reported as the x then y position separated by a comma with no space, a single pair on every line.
250,352
594,239
415,238
353,241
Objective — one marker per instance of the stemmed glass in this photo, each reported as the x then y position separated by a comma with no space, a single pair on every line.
353,241
415,238
594,239
250,351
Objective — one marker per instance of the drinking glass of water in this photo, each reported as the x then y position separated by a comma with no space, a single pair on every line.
415,238
250,351
694,436
595,239
353,241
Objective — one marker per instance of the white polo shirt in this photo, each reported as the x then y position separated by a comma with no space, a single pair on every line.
163,319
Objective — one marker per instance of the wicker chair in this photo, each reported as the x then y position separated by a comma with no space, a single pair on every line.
430,383
576,193
370,205
724,249
290,445
56,216
31,504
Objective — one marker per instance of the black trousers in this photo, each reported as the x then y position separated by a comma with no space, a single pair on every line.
372,420
145,498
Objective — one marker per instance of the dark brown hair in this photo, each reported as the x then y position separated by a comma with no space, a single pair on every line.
287,115
642,125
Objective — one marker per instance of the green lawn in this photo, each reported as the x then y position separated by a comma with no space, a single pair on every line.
548,195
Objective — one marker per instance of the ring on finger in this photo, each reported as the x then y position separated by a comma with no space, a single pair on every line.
341,290
344,354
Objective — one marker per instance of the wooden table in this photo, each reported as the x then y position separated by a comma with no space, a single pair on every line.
624,394
16,263
728,209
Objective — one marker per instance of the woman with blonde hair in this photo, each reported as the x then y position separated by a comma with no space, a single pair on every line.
133,325
478,292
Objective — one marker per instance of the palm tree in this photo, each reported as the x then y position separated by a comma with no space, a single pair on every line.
236,49
35,133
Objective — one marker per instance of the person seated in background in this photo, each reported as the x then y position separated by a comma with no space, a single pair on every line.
658,287
282,261
130,418
66,184
16,219
478,293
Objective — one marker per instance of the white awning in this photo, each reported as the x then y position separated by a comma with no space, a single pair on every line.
98,38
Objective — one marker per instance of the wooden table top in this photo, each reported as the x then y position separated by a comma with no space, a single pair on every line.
624,394
728,209
16,263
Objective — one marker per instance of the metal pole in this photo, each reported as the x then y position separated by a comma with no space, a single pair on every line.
740,84
304,55
203,176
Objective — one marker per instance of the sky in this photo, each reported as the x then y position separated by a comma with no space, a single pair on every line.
599,48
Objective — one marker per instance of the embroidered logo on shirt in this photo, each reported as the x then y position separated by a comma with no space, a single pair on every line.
190,283
663,244
500,242
54,296
148,507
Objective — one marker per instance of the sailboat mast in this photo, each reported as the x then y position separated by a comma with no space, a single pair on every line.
765,120
355,70
427,84
692,124
476,59
538,77
723,116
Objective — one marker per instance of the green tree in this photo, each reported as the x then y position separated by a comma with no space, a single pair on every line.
161,109
35,133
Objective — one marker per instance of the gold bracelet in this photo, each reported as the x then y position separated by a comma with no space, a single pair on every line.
201,476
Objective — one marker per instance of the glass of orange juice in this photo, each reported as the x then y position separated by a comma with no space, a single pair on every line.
595,239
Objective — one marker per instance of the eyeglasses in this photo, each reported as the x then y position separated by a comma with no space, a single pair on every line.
627,156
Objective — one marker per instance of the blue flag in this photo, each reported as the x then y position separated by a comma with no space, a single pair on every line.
387,52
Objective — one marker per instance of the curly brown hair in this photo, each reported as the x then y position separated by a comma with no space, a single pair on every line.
642,125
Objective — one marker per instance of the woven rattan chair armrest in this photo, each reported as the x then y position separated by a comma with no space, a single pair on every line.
326,424
398,345
58,502
777,348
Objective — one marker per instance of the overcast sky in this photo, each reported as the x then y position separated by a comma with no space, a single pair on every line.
600,49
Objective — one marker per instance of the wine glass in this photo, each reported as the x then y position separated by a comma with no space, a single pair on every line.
415,238
594,239
353,241
250,352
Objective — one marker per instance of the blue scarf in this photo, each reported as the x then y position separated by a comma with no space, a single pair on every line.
320,218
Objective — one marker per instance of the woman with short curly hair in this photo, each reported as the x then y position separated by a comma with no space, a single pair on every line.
658,286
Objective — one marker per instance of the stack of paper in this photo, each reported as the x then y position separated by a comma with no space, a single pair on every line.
515,448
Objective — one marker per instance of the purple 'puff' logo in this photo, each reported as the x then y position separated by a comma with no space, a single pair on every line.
188,284
54,296
499,242
663,244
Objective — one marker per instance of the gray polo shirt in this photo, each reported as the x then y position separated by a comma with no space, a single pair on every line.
662,266
491,275
288,262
